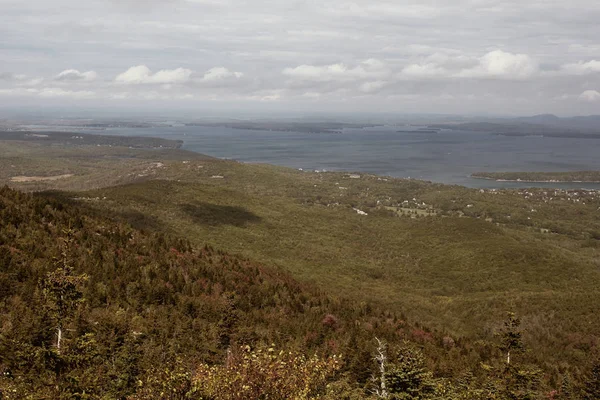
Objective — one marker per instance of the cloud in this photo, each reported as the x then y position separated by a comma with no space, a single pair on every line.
368,69
317,73
311,95
219,74
502,65
451,64
371,87
590,96
30,82
166,76
293,51
58,92
20,79
267,95
427,50
429,70
18,92
75,75
223,80
581,68
448,64
141,74
120,95
384,9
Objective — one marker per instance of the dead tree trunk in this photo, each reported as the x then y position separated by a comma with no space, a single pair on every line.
58,338
381,357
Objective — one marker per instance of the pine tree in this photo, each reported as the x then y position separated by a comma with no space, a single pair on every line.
511,337
519,382
62,290
408,377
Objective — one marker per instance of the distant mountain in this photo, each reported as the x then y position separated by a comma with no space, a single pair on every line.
544,119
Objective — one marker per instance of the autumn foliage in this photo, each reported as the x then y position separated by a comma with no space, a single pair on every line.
144,315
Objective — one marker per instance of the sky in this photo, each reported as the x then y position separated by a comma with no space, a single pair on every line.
492,57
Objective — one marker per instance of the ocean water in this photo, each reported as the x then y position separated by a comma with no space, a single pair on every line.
447,157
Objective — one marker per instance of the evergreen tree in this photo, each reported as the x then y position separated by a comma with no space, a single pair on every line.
511,336
518,381
408,377
62,291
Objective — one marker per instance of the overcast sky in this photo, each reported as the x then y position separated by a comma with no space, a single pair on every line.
450,56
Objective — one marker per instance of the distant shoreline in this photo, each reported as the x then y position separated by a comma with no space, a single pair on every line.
421,131
528,181
520,180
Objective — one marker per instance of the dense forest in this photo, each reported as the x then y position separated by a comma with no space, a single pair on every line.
92,308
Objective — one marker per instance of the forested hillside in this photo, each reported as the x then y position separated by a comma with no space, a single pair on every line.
296,269
143,315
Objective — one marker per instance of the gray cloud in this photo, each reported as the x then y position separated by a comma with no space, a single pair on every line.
500,56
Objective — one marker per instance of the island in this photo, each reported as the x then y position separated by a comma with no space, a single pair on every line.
517,129
421,130
301,127
77,138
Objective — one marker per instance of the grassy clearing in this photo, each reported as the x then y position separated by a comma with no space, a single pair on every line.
21,179
88,166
